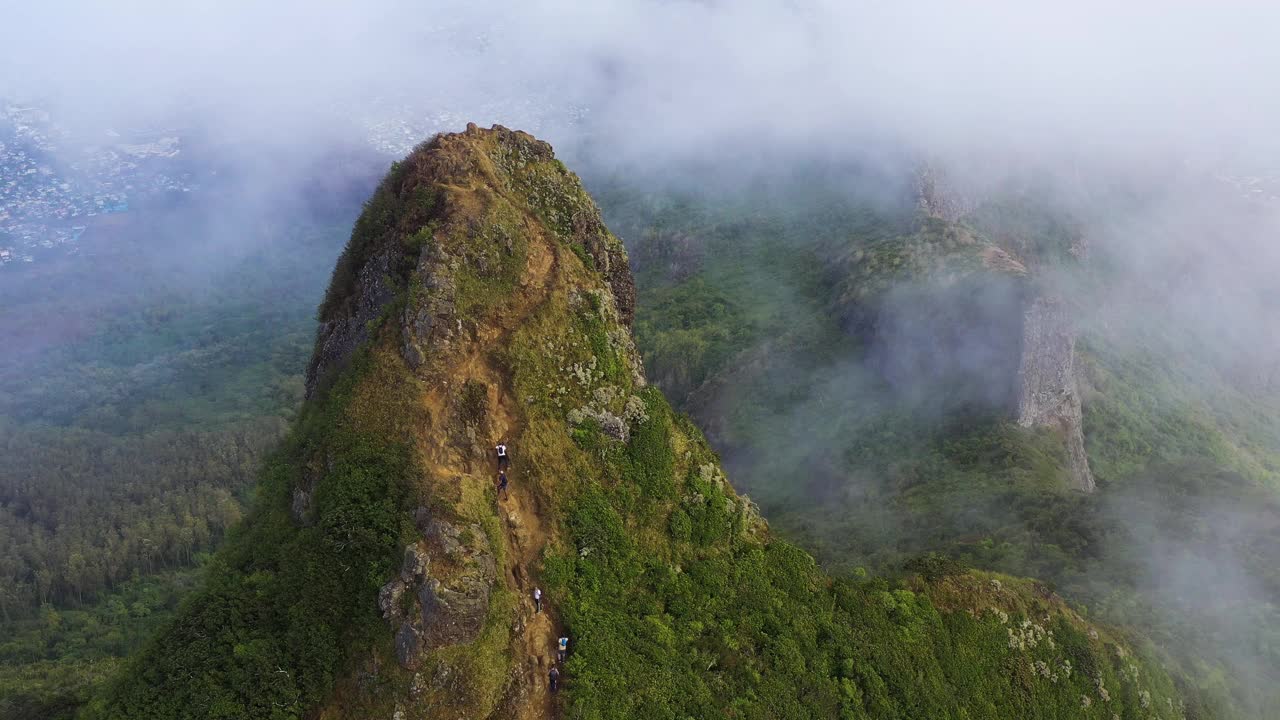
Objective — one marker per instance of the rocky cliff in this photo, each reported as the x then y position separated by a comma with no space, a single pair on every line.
1045,386
1047,389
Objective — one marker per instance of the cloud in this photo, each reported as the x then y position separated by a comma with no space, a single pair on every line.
1084,77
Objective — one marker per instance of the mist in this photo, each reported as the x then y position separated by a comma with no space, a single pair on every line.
652,79
1149,123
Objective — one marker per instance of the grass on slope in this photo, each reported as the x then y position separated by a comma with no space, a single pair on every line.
678,604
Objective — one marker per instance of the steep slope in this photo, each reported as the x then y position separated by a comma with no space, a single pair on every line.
481,298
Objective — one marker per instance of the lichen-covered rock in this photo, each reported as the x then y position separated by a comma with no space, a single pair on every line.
389,599
454,613
431,321
607,252
408,646
445,535
434,605
938,195
301,506
415,564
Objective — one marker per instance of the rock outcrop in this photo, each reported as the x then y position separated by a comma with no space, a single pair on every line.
1047,390
430,605
340,334
937,196
939,312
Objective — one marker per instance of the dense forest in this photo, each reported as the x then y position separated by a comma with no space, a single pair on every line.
136,406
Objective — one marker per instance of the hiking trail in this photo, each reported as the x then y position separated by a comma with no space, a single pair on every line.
520,512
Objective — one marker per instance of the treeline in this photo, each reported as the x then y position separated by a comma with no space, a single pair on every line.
82,511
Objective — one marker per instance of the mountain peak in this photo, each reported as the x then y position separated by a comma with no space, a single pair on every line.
386,572
465,223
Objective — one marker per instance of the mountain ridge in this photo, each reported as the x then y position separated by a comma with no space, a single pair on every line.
380,575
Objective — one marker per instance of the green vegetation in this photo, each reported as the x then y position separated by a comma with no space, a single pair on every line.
678,603
709,619
52,662
492,262
282,603
82,511
701,329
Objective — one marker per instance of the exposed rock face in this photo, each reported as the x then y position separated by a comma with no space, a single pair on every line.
454,614
1047,391
937,196
340,334
432,322
408,645
433,608
610,259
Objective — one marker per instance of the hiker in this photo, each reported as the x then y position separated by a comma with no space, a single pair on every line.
563,648
554,676
503,461
502,483
537,600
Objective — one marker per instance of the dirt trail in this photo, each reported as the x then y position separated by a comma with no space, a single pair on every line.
519,510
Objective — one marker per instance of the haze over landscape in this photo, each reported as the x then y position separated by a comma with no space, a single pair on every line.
977,304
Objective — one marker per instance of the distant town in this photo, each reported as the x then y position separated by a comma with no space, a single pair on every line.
53,184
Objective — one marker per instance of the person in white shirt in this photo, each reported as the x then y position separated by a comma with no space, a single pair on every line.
503,461
537,599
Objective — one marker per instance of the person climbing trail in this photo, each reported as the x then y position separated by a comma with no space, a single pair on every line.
554,677
503,460
502,483
563,649
537,600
